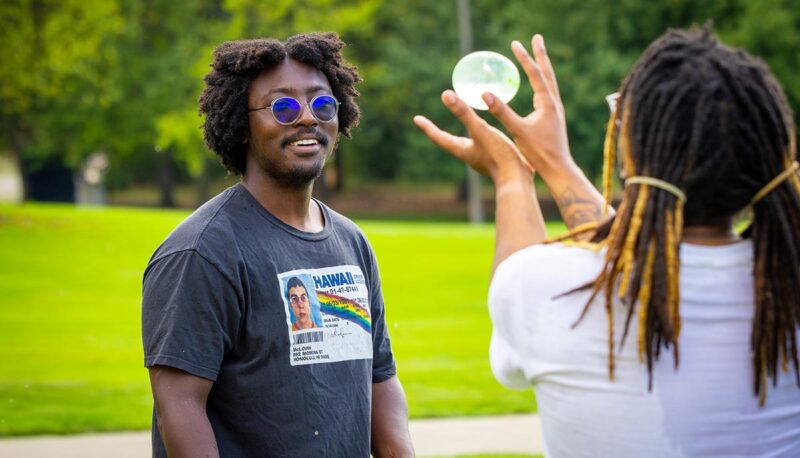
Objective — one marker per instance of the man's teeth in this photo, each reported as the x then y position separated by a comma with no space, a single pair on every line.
305,142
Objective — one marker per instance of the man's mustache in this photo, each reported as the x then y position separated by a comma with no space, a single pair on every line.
306,133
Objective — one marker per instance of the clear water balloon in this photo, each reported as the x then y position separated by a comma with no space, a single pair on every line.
485,71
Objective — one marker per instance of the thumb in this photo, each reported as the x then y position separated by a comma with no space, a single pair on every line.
505,114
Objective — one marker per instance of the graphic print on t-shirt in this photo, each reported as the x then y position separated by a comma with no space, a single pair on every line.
327,314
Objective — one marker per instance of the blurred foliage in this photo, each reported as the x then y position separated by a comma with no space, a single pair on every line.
123,76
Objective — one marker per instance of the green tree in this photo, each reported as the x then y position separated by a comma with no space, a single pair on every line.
155,113
53,76
771,29
123,76
407,64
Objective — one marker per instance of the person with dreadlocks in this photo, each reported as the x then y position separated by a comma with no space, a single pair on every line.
231,374
657,330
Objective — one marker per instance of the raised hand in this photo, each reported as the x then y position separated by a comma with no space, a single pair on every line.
541,137
487,150
519,221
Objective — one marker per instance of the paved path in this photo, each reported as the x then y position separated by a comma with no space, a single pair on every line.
432,437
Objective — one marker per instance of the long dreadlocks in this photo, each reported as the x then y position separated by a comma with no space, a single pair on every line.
713,123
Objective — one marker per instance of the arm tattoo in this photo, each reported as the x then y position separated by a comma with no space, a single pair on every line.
576,209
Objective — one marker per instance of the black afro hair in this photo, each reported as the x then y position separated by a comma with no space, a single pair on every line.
237,63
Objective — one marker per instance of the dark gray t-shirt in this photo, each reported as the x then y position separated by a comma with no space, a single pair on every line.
292,376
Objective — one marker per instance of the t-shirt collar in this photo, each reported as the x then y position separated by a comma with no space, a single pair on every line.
321,235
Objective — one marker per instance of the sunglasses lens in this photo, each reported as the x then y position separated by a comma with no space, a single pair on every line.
286,110
324,108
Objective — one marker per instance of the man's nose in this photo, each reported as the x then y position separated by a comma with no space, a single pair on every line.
306,118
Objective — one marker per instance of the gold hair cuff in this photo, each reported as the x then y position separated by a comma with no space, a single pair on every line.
656,183
775,182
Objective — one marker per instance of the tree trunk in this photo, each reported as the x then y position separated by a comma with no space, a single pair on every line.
203,183
339,163
166,177
18,140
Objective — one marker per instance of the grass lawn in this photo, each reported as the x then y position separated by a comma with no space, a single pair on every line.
70,285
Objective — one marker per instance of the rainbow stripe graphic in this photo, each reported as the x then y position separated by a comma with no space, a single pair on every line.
344,308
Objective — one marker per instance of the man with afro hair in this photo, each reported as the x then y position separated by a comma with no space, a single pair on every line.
229,375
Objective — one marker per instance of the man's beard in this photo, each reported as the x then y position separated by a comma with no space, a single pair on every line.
295,177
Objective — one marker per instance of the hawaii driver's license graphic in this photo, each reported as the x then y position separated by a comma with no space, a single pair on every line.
327,315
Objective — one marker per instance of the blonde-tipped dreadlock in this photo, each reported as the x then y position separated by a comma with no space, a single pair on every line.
709,123
609,156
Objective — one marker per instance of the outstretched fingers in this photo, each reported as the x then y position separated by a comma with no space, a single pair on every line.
457,146
513,123
462,111
542,96
504,113
537,44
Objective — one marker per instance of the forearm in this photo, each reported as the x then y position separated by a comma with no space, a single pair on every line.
185,429
518,218
579,202
180,401
390,435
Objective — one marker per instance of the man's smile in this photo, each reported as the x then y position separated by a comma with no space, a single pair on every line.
306,141
306,146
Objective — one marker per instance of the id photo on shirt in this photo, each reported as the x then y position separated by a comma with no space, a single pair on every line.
302,303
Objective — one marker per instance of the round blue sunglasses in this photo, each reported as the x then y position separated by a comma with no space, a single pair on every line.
287,110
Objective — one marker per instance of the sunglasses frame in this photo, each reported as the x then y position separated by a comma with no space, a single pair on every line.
308,105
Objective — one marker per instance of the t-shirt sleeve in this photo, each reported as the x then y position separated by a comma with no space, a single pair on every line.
383,365
190,314
509,340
